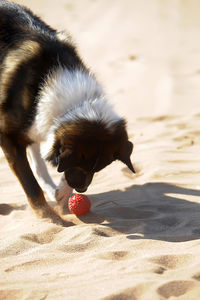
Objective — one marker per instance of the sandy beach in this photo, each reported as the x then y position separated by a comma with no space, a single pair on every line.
141,239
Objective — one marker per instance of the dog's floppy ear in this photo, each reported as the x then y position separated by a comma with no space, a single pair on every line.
124,155
53,154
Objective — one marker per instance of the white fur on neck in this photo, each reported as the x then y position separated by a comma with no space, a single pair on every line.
67,96
62,91
92,110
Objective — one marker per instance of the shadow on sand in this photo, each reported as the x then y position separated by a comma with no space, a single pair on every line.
157,210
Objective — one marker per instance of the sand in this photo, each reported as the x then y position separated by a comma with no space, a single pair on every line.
141,239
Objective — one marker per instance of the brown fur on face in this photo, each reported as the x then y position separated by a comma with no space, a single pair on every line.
84,147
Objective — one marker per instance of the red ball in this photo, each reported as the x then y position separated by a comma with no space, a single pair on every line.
79,204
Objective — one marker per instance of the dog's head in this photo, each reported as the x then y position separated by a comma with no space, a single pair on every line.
83,148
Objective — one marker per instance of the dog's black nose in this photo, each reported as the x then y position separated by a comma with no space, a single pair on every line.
81,190
78,179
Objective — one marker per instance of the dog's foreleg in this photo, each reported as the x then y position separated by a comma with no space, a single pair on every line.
63,192
17,159
39,168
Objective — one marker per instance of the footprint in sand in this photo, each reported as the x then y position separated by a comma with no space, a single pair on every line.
45,237
131,293
114,255
27,241
173,261
197,276
175,288
6,209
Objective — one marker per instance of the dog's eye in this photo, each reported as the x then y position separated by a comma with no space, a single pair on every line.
62,149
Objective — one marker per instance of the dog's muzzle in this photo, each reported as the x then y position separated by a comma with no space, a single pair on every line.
78,179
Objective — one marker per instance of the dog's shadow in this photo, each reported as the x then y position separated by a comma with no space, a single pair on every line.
157,210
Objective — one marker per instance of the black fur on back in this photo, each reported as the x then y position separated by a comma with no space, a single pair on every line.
21,76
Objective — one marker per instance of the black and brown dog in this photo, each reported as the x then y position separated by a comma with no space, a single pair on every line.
48,95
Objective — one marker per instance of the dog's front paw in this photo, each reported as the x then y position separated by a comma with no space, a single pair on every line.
62,194
62,201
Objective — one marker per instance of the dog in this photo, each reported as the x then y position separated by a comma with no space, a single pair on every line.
48,96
